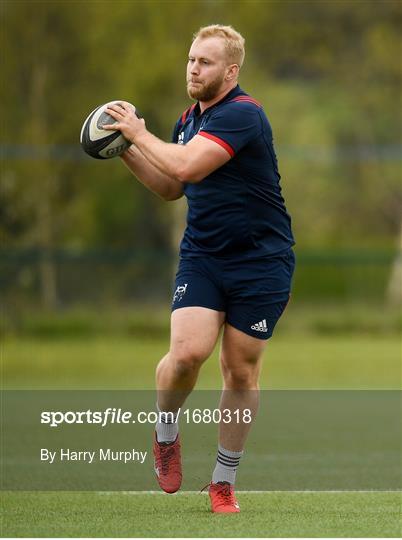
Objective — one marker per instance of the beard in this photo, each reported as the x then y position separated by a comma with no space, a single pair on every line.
205,92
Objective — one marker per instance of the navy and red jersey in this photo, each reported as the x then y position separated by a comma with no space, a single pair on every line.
237,210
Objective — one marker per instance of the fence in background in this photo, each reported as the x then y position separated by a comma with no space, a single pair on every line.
125,277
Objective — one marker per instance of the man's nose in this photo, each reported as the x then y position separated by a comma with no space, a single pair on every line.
195,68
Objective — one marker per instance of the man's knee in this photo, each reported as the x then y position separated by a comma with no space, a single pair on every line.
187,360
242,373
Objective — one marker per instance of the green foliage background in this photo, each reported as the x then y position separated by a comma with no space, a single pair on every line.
327,72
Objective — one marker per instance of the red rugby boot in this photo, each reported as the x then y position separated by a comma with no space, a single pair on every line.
223,500
168,465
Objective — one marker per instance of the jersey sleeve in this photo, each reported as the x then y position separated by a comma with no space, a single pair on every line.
233,126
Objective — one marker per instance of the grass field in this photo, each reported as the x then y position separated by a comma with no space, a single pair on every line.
292,361
295,361
156,515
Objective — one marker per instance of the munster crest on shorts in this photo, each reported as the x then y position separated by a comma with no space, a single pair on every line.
179,292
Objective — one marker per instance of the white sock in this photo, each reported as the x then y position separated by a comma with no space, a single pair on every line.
167,427
227,462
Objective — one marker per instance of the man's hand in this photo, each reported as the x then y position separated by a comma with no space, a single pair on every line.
190,162
126,120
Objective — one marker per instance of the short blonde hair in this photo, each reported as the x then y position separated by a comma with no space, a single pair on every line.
234,42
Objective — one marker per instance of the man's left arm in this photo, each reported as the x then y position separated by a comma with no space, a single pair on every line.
188,163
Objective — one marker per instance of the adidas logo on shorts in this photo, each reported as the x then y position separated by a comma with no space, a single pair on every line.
260,326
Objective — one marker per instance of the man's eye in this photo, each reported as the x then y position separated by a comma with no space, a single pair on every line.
205,62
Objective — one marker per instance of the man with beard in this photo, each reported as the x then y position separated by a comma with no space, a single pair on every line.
236,261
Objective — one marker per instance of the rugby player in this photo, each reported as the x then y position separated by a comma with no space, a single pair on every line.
236,258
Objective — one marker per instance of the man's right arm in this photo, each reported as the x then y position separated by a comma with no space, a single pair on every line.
152,178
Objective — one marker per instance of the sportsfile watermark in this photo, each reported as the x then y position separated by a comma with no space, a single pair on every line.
116,415
298,440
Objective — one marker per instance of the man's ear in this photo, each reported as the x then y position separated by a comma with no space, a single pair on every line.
233,71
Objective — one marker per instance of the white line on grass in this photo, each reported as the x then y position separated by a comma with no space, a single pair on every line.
253,492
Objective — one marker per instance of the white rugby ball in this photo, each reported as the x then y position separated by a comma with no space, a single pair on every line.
98,142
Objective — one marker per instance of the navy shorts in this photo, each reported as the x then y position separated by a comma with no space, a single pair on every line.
252,293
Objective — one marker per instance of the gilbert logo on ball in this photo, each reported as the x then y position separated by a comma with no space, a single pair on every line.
99,143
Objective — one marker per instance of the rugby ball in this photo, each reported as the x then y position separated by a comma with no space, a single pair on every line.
99,143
